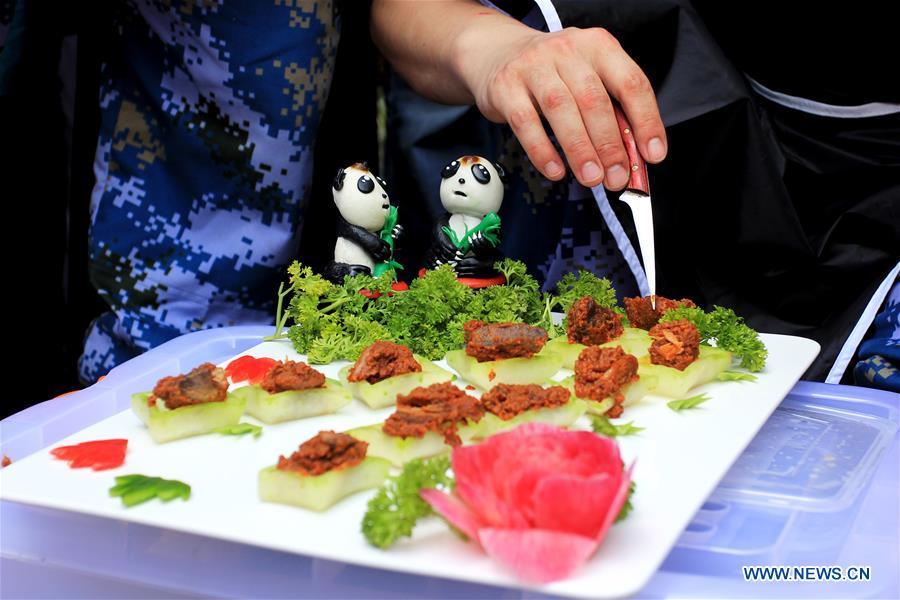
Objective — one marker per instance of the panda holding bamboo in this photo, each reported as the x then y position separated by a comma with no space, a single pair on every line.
467,237
366,225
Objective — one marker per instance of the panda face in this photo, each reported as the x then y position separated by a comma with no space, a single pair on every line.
361,197
471,185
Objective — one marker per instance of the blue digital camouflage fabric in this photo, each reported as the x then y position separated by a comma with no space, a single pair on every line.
209,113
879,364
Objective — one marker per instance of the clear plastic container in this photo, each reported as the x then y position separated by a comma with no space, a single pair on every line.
794,494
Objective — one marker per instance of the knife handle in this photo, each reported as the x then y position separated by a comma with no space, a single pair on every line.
638,180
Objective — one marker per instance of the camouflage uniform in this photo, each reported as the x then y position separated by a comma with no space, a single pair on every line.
209,113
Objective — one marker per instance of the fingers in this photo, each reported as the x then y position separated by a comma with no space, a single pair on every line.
572,78
518,109
599,120
624,79
562,113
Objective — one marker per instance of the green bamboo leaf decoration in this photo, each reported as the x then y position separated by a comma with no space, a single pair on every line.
488,226
387,235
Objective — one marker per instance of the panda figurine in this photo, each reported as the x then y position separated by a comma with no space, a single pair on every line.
362,247
467,236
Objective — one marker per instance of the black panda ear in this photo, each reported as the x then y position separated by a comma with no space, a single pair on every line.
339,179
501,171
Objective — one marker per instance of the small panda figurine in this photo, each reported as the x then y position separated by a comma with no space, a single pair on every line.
471,192
363,204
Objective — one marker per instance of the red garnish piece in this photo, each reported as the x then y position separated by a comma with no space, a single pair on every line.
249,368
98,455
491,375
6,461
397,286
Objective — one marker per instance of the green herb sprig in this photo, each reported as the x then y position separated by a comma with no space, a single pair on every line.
240,429
281,315
627,507
735,376
687,403
602,425
137,489
397,507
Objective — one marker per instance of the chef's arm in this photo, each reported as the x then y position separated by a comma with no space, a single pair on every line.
460,52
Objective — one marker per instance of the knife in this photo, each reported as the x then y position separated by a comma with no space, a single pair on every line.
637,196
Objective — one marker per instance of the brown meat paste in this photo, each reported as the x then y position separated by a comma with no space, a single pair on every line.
591,324
291,375
507,400
206,383
440,407
327,451
469,327
601,373
675,344
382,360
503,340
641,313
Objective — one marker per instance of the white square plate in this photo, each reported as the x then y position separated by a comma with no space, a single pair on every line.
680,457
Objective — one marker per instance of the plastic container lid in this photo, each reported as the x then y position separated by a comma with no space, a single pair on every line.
811,457
793,495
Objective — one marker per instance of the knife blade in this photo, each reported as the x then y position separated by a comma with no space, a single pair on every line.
637,197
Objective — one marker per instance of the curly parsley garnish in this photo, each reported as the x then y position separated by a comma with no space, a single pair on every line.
395,509
627,507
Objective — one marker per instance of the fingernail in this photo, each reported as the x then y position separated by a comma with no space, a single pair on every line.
590,172
656,149
553,169
616,177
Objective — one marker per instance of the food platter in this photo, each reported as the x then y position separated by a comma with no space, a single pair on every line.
679,458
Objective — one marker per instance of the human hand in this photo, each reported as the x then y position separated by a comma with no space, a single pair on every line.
516,74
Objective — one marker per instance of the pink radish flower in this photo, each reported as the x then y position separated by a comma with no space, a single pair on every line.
539,499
